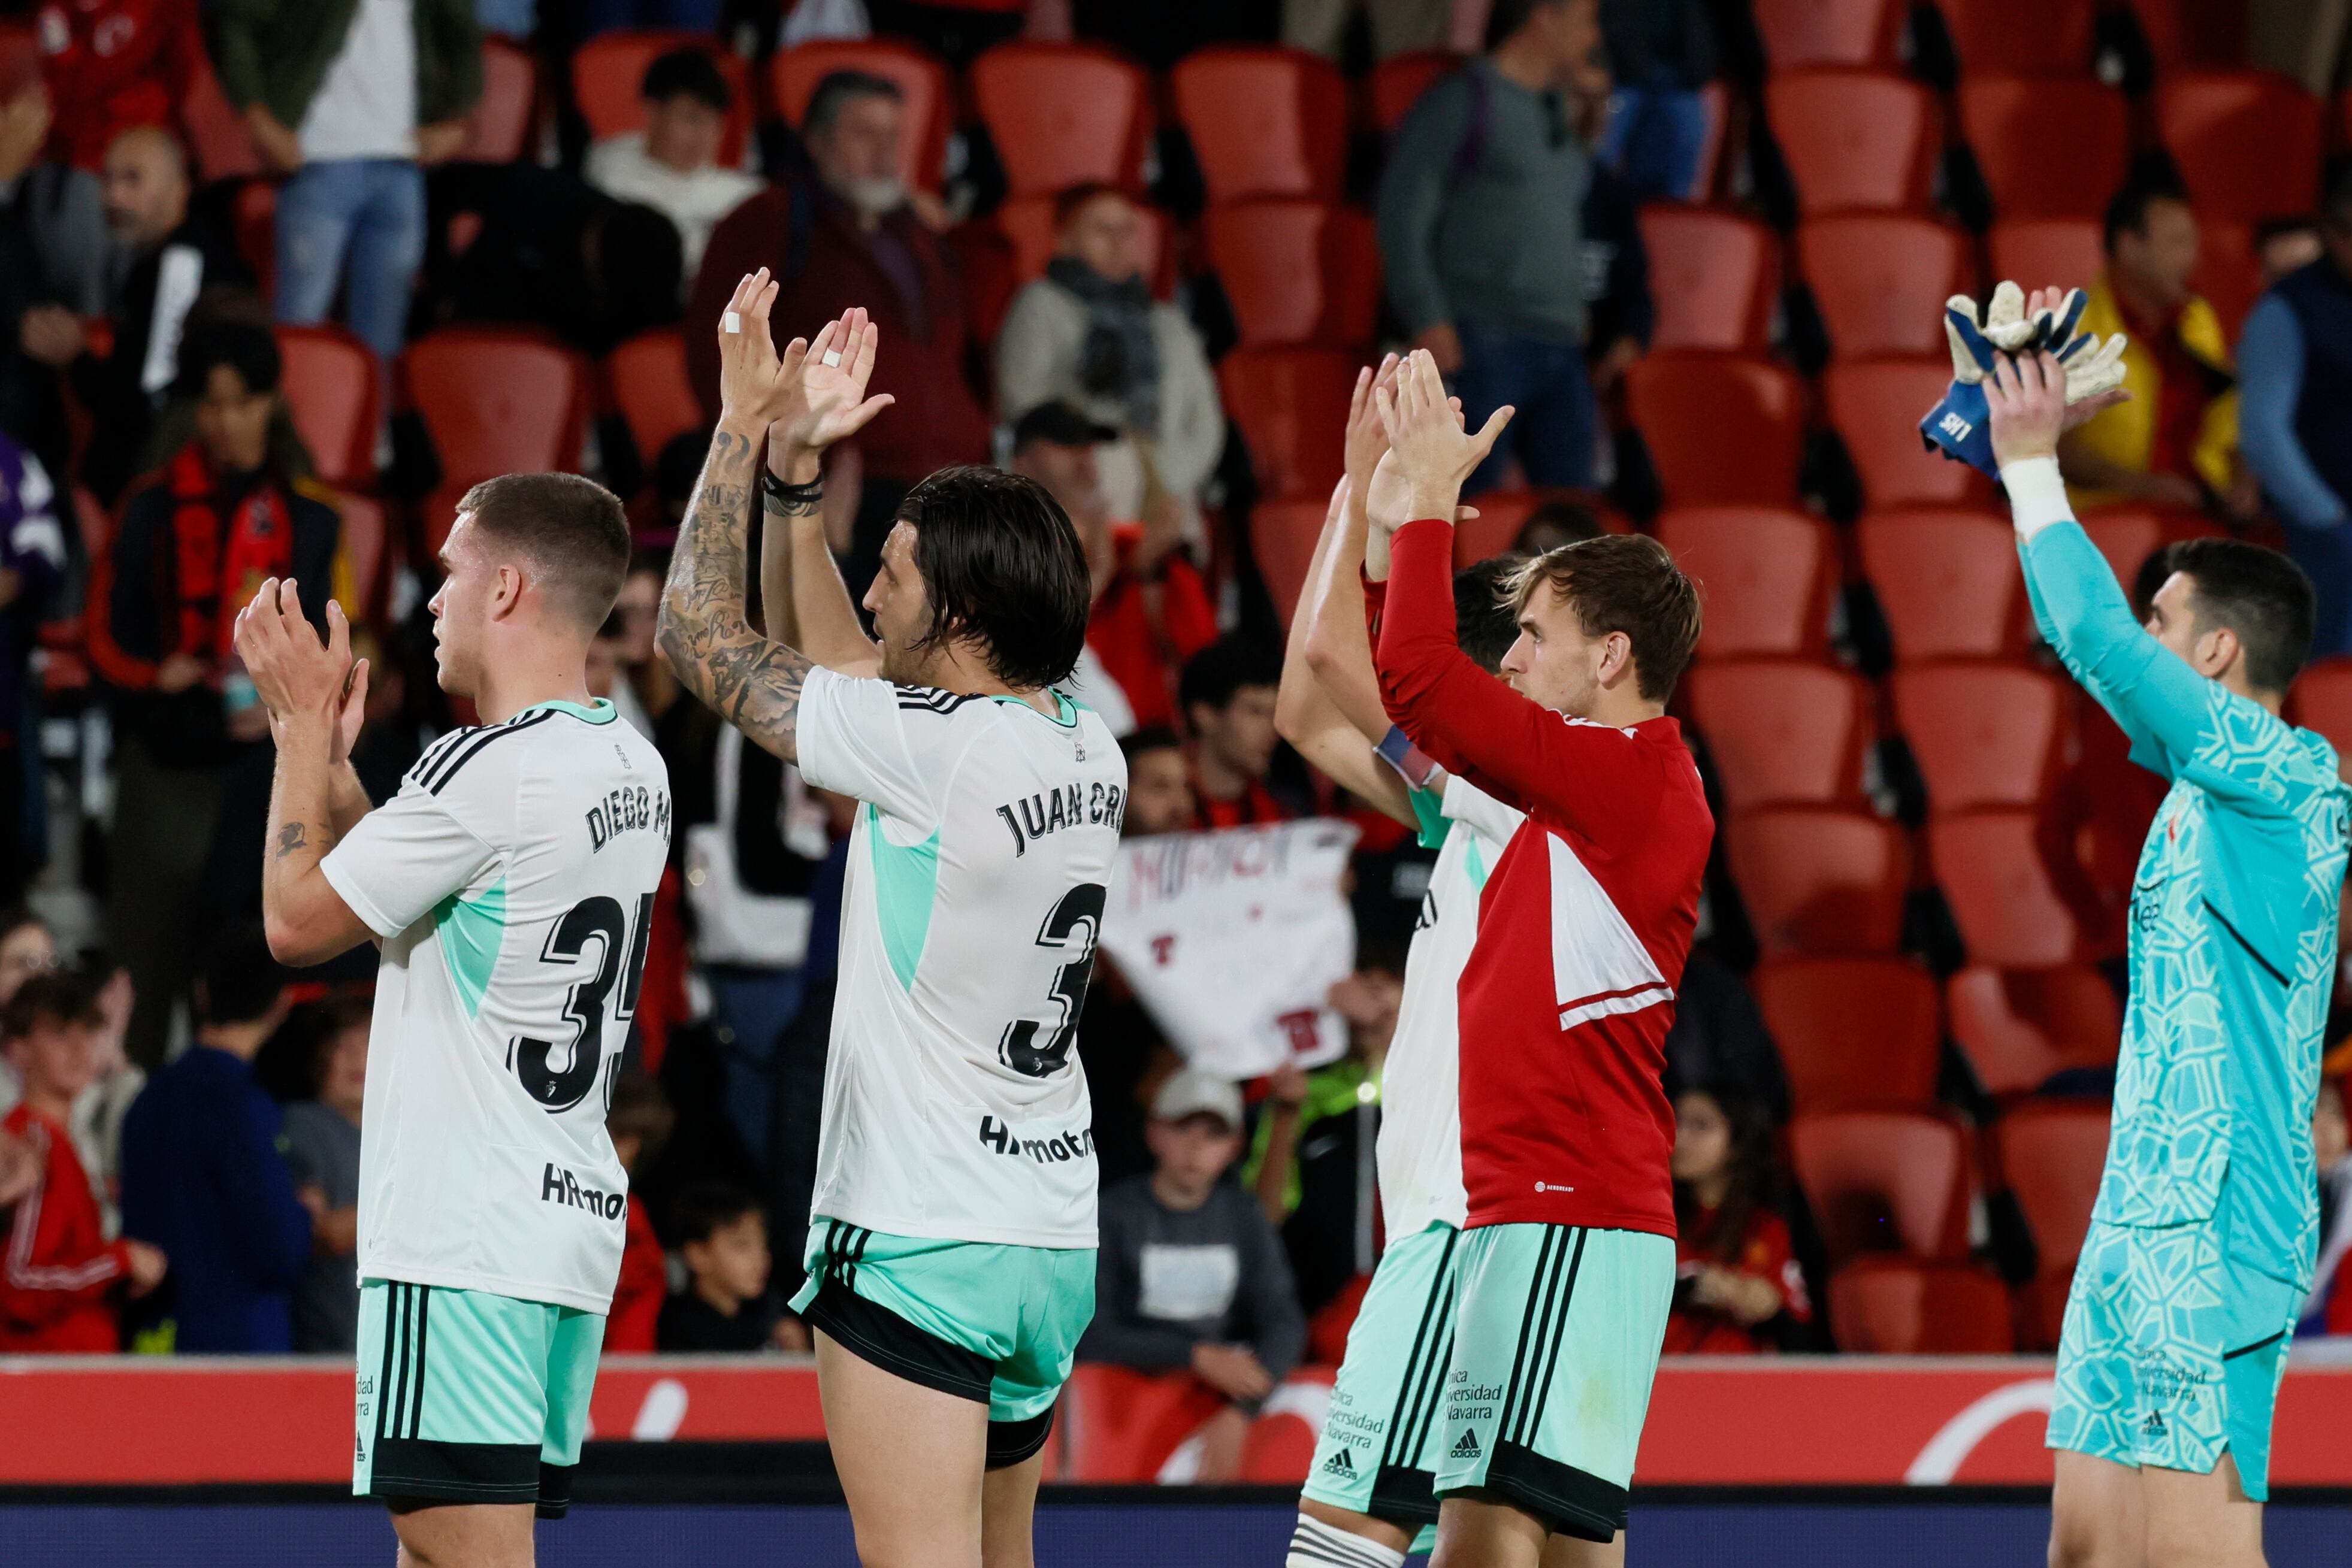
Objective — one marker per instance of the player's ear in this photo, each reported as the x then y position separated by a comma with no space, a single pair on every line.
507,593
1616,657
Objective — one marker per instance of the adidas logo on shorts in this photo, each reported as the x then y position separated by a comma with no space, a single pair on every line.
1340,1464
1467,1449
2154,1426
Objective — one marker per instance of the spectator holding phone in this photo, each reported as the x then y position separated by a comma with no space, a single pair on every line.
1737,1289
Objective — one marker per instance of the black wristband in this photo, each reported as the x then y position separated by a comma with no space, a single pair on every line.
778,496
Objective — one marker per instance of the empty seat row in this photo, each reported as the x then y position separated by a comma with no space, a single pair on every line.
2049,37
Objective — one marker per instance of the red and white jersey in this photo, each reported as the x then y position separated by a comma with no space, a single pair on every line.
1583,926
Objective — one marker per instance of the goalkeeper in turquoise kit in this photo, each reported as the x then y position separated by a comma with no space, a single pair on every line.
2202,1246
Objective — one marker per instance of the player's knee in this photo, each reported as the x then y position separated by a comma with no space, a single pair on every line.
1327,1535
2078,1541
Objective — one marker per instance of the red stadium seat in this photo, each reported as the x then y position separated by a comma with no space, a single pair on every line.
2321,701
924,84
505,120
2229,274
496,400
2043,38
1121,1425
1265,122
365,532
1820,881
1765,576
1875,406
1502,513
1853,138
2192,32
334,392
1398,82
1880,281
1295,271
2013,123
2020,1028
2051,1154
223,147
2247,142
1893,1306
2037,252
1854,1032
1715,276
1947,582
2128,536
1991,868
1281,538
645,384
1885,1181
1062,115
1291,407
1721,429
609,71
1983,735
1782,732
1829,32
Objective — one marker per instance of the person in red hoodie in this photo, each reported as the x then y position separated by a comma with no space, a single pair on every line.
59,1272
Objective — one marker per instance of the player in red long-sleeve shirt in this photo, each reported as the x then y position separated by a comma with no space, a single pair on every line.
1566,1268
59,1271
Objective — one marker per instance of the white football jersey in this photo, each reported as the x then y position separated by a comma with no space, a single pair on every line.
511,879
1419,1147
954,1103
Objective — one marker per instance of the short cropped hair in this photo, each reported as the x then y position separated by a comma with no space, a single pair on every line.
1217,672
834,91
1622,582
54,999
242,982
2257,593
571,530
1140,743
2127,208
1002,565
1486,621
688,72
708,1205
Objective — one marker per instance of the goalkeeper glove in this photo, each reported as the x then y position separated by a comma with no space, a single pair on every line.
1958,426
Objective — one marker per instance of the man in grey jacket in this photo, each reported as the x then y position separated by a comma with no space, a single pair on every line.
1481,229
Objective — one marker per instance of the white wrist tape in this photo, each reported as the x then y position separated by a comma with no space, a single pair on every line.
2037,495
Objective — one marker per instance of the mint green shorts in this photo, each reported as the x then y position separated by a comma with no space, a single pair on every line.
1556,1330
1378,1450
984,1321
466,1396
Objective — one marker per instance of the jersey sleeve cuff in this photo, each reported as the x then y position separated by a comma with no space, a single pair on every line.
2037,495
339,877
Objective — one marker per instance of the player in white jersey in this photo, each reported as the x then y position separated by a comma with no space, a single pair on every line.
509,882
1368,1498
951,1245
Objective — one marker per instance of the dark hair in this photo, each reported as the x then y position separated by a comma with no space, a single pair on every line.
1075,200
835,90
2155,571
2258,593
691,72
708,1206
1002,565
335,1016
1622,582
2336,197
249,348
1138,743
572,530
1750,1161
1217,672
1485,622
1571,517
639,1109
56,998
2127,208
1509,15
241,982
2269,229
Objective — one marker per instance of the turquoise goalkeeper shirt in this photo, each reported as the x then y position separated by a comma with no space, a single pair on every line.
2233,920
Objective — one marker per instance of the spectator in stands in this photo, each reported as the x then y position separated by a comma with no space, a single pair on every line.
349,98
1737,1289
2287,244
195,542
1227,692
1719,1036
32,565
639,1122
1397,27
1151,608
1188,1273
322,1150
1481,201
672,165
59,1275
174,255
858,237
1159,785
2328,1308
646,688
27,948
116,1082
203,1177
1664,54
2294,364
955,30
1089,334
30,408
723,1237
2175,442
1554,524
1620,314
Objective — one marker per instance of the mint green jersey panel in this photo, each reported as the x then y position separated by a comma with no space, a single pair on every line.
1379,1448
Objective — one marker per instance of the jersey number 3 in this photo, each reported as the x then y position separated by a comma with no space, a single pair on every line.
601,919
1071,927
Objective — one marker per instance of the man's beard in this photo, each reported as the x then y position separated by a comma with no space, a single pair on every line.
875,198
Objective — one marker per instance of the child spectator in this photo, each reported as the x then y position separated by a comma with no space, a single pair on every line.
1737,1289
60,1273
1227,693
26,949
322,1146
723,1237
116,1082
1190,1275
672,165
639,1120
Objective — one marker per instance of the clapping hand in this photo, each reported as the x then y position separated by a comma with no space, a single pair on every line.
824,384
1430,451
297,675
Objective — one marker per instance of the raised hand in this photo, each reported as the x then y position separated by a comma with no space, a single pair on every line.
825,382
1368,438
1432,454
295,674
2027,396
752,387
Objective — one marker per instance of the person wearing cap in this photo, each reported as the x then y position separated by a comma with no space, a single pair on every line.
1190,1276
1152,608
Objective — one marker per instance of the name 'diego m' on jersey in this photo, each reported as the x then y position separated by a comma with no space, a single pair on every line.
511,879
955,1106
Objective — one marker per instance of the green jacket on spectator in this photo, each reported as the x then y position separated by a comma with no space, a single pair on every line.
277,52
